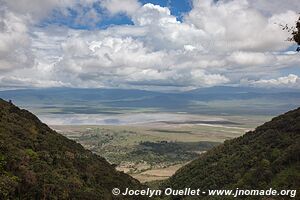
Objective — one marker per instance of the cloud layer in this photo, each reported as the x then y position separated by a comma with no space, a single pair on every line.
233,42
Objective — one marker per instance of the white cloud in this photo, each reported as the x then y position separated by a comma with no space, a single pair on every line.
37,9
125,6
291,80
207,80
15,43
230,42
275,6
236,25
20,82
241,58
154,14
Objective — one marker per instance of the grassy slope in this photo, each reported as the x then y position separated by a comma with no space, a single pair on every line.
37,163
264,158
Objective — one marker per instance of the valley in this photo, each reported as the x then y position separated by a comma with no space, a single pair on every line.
148,134
156,149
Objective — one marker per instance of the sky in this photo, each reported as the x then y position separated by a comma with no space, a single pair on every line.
148,44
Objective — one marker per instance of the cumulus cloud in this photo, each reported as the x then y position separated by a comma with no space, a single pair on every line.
15,43
207,80
235,24
291,80
128,7
17,20
36,9
250,58
228,42
275,6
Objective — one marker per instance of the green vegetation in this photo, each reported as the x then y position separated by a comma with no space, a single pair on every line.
155,151
165,153
139,149
172,152
268,157
38,163
296,34
152,152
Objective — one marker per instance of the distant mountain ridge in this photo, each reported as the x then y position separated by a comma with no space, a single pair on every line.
268,157
214,100
38,163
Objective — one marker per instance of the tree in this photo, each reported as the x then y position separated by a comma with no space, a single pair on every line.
296,34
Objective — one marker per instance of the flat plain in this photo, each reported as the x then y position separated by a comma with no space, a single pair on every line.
155,150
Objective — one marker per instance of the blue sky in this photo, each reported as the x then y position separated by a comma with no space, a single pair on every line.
57,18
177,7
148,44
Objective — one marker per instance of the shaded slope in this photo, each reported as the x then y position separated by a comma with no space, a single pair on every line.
264,158
38,163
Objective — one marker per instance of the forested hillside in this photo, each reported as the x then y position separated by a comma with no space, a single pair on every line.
260,159
38,163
